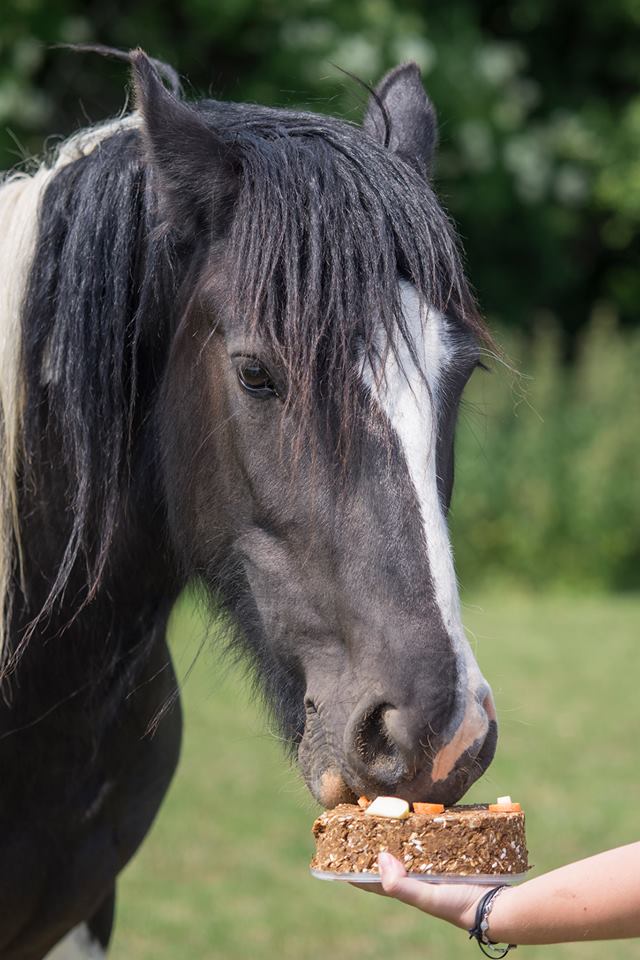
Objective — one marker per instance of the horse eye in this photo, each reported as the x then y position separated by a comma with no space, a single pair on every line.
256,380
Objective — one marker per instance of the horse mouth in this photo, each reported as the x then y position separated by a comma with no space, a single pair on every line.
469,767
331,782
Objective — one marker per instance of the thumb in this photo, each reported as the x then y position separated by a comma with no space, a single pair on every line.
396,883
453,902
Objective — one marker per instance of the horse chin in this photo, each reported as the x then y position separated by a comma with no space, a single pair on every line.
322,776
324,781
329,788
333,790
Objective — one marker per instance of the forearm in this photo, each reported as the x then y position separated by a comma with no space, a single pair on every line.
593,899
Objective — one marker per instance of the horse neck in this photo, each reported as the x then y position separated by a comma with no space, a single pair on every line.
90,683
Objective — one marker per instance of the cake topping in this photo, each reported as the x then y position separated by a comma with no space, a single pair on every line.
505,805
391,808
428,808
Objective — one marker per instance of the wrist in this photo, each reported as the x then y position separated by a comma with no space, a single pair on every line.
468,916
498,926
484,931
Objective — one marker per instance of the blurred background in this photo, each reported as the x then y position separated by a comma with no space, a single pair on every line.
539,166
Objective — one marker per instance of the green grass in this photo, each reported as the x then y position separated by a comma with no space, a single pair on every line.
224,872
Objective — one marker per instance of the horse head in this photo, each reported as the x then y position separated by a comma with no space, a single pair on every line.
307,421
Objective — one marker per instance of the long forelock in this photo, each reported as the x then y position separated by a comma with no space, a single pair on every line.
326,221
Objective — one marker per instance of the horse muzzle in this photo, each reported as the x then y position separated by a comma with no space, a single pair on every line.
388,750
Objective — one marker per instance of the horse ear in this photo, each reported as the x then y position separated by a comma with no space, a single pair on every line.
195,168
401,104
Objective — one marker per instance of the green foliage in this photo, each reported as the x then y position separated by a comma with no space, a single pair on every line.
548,464
538,102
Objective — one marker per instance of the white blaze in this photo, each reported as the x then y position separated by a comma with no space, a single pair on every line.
408,395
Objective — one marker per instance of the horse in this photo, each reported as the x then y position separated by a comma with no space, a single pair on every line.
234,341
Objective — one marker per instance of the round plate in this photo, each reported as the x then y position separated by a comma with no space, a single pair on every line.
483,878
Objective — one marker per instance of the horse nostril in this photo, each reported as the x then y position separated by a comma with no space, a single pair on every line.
400,733
372,740
373,747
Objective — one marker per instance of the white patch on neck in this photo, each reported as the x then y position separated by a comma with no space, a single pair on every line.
20,198
77,945
408,395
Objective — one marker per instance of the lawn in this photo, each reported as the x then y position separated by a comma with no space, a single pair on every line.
224,872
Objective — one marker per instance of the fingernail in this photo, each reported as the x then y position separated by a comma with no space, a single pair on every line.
384,860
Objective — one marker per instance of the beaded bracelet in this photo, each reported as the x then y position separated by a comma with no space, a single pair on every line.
481,926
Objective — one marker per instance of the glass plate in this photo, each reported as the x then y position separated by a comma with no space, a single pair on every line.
484,878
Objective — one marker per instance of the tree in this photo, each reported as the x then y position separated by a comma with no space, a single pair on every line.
538,103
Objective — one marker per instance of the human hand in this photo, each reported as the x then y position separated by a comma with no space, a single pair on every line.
592,899
454,902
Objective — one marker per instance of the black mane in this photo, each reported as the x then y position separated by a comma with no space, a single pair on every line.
96,329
